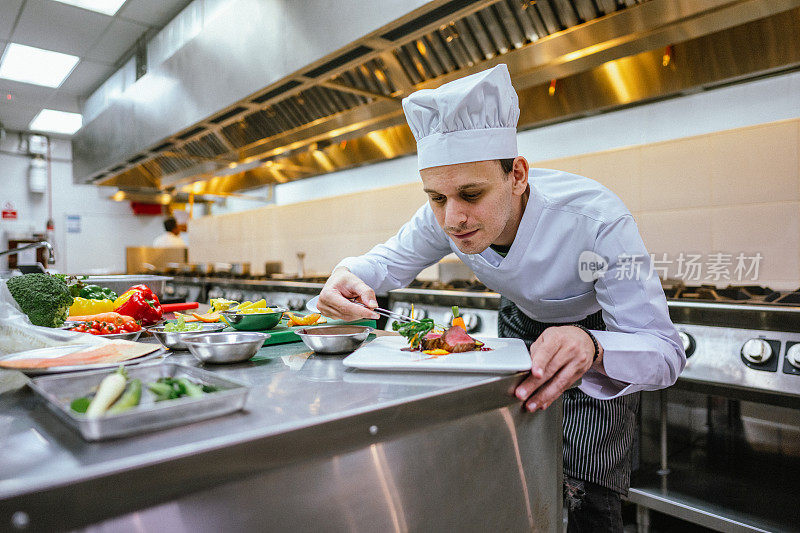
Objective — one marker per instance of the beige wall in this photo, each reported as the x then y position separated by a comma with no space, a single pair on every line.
327,229
735,191
731,192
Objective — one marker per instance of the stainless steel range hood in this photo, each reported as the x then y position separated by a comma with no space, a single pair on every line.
330,103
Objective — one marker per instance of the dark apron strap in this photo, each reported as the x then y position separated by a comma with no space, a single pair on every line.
598,434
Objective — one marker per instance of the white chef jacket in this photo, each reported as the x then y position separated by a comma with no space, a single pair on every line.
566,215
169,240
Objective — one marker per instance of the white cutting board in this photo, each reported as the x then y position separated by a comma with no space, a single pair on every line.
507,356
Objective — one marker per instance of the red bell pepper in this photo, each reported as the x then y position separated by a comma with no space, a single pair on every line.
140,303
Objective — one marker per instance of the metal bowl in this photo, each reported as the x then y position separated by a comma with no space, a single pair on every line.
334,339
254,321
228,347
174,340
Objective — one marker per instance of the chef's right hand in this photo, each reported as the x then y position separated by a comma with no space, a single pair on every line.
342,287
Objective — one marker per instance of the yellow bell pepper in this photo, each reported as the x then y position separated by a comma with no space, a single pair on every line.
124,297
86,306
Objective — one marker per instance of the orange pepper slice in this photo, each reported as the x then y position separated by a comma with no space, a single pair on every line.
308,320
208,317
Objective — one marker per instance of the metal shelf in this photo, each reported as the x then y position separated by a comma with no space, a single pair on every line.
744,491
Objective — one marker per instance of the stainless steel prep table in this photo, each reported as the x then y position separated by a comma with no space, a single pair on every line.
318,447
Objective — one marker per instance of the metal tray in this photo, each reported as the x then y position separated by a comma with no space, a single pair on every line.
58,391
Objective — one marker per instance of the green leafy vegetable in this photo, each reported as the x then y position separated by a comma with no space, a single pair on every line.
171,388
80,405
414,331
96,292
181,325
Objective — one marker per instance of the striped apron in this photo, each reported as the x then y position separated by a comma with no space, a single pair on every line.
598,434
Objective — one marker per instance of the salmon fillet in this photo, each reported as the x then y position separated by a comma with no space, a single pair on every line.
112,352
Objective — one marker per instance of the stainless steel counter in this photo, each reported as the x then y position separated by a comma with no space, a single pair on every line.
408,450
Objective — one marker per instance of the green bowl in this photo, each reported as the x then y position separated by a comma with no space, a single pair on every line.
254,321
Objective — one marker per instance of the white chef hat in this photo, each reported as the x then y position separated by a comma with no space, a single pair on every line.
470,119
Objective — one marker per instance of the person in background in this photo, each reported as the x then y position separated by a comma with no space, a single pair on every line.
171,237
555,246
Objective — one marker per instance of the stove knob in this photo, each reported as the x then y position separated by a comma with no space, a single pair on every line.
688,343
793,355
472,321
401,310
419,314
757,351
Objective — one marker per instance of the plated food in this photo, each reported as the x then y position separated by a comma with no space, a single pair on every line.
426,336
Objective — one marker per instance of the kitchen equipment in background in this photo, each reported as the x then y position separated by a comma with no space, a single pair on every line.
433,299
240,270
301,267
454,269
149,260
122,283
36,247
729,424
272,267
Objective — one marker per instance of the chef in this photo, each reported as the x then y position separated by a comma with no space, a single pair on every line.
566,256
171,238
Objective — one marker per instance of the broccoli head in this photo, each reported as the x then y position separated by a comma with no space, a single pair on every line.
44,298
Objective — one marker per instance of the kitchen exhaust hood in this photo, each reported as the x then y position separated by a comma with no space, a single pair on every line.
279,91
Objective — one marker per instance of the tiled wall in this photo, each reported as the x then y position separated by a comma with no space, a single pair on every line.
730,192
326,229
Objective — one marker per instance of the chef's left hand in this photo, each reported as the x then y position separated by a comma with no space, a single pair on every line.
559,357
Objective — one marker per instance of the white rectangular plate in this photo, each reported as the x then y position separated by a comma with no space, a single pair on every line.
384,353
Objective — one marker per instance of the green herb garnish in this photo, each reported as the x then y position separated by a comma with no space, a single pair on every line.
414,331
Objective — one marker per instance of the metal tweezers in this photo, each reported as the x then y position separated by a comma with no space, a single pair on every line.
397,317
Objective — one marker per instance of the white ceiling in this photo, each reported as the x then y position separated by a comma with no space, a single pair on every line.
101,42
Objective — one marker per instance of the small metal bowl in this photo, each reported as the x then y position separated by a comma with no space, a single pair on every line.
174,339
334,339
254,321
228,347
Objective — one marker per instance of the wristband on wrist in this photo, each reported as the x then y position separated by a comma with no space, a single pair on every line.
594,341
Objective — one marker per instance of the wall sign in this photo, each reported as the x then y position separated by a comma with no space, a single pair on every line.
73,223
9,211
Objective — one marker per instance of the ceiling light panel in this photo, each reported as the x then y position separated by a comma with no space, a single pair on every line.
52,121
35,65
107,7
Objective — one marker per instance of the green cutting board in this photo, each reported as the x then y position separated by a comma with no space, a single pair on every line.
281,334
